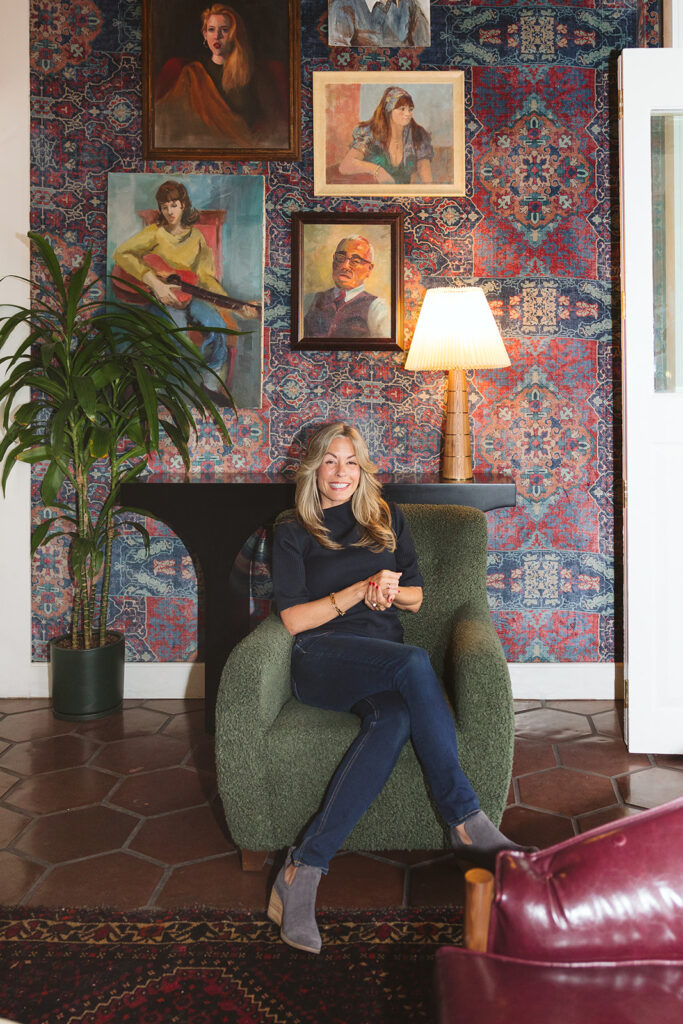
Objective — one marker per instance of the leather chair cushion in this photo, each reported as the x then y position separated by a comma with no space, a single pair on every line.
479,988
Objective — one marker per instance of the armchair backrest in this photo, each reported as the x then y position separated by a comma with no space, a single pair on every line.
451,543
614,893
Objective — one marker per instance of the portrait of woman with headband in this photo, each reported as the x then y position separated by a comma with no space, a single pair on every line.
391,147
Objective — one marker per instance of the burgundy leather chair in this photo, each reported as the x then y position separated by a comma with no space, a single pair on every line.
588,930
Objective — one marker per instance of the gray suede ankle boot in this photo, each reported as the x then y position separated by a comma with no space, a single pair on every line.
293,906
487,842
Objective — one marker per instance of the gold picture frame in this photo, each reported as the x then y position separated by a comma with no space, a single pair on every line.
367,141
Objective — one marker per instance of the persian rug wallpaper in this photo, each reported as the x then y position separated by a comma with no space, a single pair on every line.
536,228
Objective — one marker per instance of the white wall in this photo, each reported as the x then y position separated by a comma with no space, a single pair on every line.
18,676
672,22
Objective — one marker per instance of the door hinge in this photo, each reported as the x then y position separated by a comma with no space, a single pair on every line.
621,104
625,692
624,494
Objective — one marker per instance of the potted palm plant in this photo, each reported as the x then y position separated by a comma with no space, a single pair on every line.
90,392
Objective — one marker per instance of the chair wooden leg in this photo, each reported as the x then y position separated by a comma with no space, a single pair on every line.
253,860
478,899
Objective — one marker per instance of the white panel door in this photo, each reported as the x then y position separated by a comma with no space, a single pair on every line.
651,159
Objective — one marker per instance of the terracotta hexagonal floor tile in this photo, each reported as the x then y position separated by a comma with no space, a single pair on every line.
669,761
70,835
526,705
10,705
116,880
355,881
566,791
219,882
170,789
32,725
11,825
48,755
610,723
124,724
59,791
176,706
183,836
582,707
7,780
531,756
652,787
437,883
535,828
605,816
17,876
203,754
604,754
186,726
551,725
145,754
412,858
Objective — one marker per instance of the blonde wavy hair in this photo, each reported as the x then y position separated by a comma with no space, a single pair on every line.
367,504
239,62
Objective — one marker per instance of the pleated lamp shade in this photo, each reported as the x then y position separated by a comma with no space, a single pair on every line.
456,331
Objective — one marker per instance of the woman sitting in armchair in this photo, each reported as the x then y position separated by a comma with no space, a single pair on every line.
342,566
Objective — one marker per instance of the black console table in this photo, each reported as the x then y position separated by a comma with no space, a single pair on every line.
215,518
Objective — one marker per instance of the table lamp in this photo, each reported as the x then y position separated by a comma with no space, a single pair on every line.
456,332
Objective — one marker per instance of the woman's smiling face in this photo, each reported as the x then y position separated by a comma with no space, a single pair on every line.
338,475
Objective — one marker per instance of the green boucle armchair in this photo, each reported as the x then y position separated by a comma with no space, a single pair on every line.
275,756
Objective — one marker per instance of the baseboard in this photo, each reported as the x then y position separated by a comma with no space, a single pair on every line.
179,680
585,680
530,681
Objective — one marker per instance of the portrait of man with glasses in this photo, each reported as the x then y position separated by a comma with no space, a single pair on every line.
348,309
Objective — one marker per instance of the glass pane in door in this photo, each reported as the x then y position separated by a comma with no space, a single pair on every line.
667,238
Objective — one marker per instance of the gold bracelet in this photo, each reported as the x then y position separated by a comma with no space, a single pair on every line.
335,605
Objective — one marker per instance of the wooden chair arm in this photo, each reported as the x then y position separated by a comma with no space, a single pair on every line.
478,900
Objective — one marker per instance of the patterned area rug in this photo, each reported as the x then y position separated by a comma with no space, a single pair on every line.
107,967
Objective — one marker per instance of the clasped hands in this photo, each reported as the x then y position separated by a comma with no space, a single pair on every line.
381,590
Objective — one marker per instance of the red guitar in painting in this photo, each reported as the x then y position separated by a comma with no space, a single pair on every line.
184,279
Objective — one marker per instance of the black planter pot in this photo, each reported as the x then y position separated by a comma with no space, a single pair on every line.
87,684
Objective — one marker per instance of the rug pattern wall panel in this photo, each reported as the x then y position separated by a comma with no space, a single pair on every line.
535,229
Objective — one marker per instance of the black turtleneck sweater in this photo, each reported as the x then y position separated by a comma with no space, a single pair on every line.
304,570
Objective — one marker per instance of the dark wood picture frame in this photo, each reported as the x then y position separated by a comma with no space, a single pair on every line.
315,237
184,114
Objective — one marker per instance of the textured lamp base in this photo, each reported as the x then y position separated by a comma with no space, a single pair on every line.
457,451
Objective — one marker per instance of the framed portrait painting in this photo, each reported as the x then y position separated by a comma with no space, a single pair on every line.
402,23
389,133
196,243
221,81
347,281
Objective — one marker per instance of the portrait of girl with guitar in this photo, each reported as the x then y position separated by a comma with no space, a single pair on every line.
173,260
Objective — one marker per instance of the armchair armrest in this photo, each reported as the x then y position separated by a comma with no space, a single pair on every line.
481,694
255,681
254,687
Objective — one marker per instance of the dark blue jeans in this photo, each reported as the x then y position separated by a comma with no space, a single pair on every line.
394,690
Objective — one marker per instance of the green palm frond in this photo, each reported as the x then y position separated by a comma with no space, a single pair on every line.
91,385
